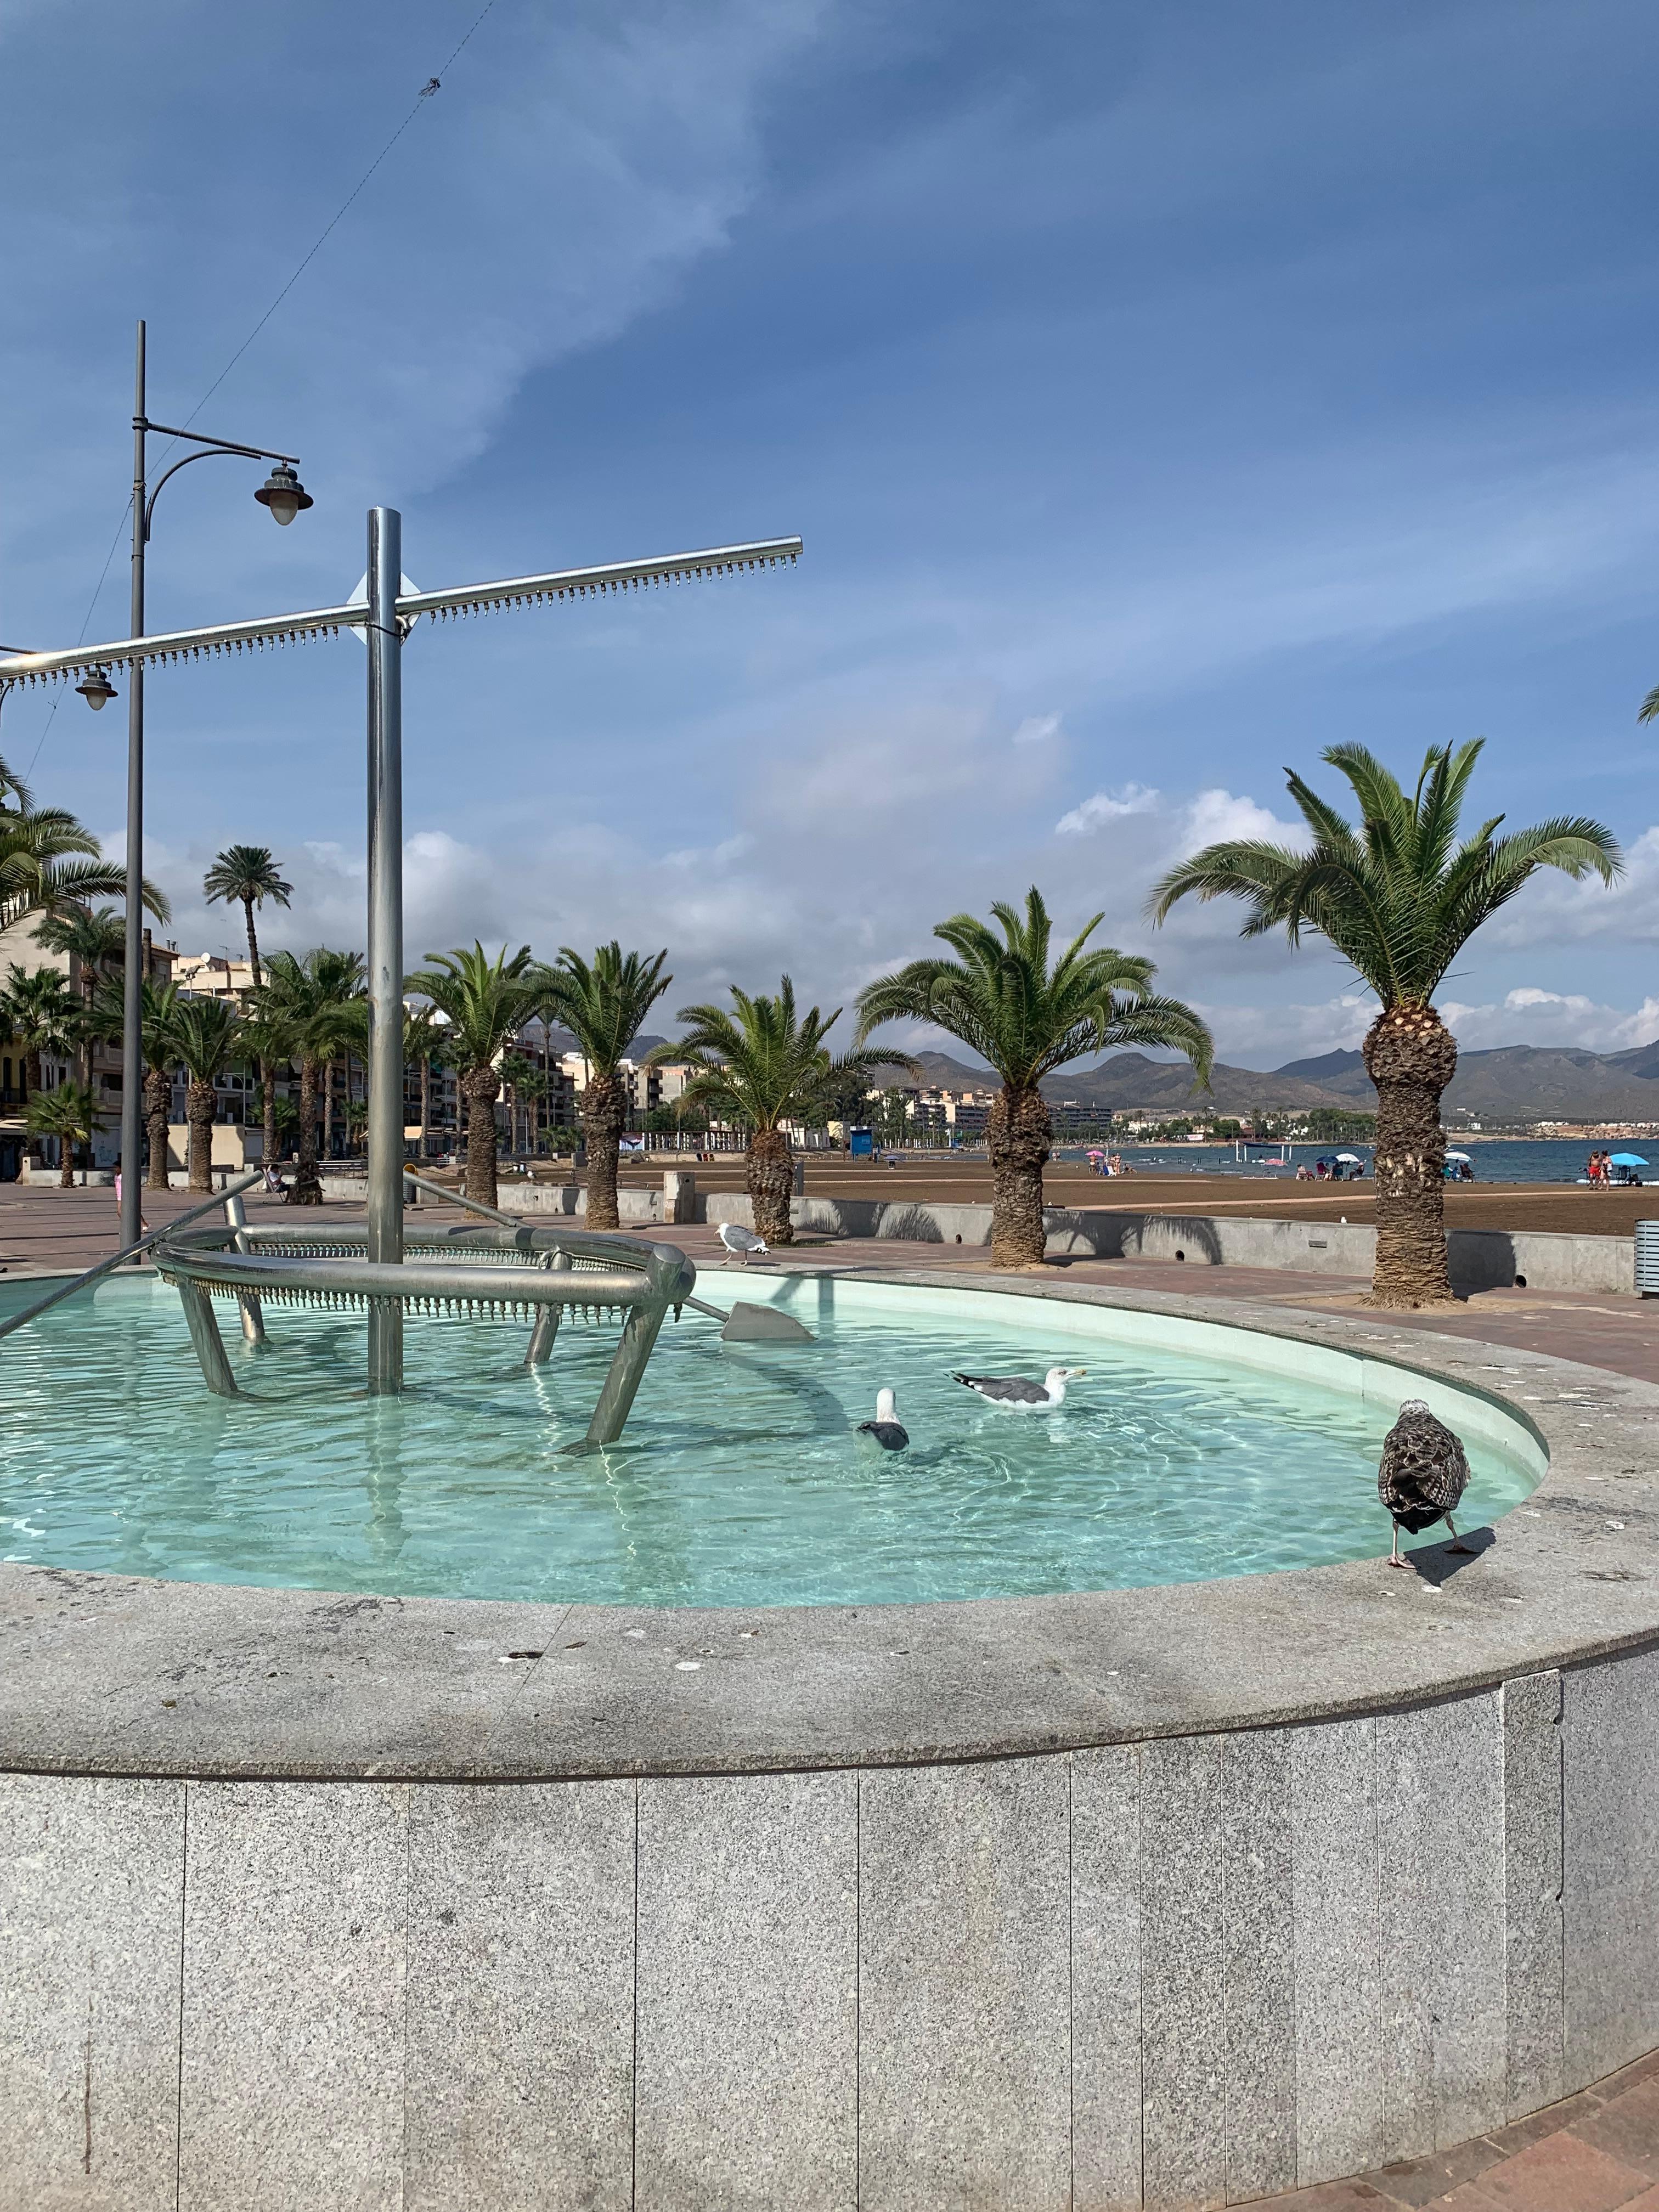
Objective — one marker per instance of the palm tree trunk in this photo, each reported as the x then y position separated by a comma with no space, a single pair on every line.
158,1102
771,1179
1016,1133
426,1104
252,944
307,1190
198,1112
605,1102
328,1109
480,1087
268,1092
66,1161
1411,1056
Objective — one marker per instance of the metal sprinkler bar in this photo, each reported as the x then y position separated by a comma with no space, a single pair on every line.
386,617
555,586
535,1274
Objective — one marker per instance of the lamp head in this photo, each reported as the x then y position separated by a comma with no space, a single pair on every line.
96,689
283,494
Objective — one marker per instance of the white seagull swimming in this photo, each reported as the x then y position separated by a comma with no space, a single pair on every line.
886,1431
1019,1396
741,1241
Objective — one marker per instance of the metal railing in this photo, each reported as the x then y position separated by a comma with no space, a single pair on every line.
107,1267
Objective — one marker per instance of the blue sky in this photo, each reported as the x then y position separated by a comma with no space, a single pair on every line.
1163,394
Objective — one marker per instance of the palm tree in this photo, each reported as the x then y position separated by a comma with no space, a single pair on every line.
763,1064
603,1006
1027,1019
269,1039
38,1014
423,1048
1398,898
247,875
314,998
39,870
156,1009
206,1037
67,1113
95,941
486,1003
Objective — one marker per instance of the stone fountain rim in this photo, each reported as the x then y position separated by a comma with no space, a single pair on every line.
118,1675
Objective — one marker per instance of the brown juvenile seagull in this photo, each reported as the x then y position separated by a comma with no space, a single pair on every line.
1423,1476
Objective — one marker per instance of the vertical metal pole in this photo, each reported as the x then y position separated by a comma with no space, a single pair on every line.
385,941
132,993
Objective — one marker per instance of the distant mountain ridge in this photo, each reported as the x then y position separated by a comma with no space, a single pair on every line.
1508,1083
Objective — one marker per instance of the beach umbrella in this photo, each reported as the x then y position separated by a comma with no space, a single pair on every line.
1457,1156
1350,1158
1628,1160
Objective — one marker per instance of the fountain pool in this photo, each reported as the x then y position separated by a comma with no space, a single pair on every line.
740,1480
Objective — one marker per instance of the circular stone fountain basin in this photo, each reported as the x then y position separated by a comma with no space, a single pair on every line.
741,1479
1181,1893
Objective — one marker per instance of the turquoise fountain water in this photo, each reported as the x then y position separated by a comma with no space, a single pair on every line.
739,1481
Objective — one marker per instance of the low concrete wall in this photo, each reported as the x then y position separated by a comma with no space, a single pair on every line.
1175,1972
1481,1258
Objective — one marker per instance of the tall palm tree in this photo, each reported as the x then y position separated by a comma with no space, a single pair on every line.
271,1041
423,1048
95,940
67,1113
763,1064
1399,899
314,998
1028,1018
604,1007
38,1014
247,875
156,1009
486,1003
206,1038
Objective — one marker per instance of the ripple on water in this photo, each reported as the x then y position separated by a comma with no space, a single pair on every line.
740,1481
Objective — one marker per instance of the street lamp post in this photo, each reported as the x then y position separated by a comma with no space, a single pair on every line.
285,497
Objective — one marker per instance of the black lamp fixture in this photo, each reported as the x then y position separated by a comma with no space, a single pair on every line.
284,494
96,689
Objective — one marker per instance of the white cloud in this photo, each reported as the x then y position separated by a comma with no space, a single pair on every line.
1037,729
1529,1015
1216,817
1106,807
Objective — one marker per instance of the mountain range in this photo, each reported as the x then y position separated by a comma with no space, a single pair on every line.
1511,1083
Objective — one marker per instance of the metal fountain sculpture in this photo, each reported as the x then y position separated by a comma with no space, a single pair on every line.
497,1267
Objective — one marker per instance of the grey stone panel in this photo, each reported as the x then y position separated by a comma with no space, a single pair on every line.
292,2063
1441,1895
747,2066
1183,2026
1338,2104
91,1880
1610,1896
1106,1969
520,1997
1259,1961
964,2017
1532,1860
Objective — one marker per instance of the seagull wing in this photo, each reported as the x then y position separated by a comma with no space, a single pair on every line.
1005,1390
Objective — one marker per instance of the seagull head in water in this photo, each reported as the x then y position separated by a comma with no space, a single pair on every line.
1014,1393
886,1431
740,1241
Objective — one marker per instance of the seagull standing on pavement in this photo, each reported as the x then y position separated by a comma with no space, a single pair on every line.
1015,1395
740,1241
1423,1474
